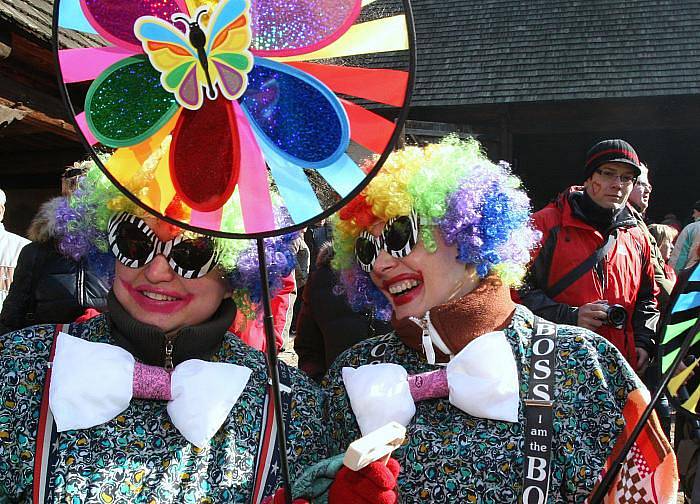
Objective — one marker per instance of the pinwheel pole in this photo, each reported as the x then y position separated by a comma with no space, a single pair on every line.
273,370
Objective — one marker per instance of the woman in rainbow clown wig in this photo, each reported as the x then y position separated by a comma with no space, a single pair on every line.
154,401
433,243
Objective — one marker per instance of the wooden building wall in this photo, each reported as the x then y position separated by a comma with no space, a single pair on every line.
36,139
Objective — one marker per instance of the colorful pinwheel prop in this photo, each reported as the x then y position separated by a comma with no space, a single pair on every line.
225,106
681,336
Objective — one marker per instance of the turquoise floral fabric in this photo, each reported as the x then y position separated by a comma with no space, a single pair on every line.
139,457
451,456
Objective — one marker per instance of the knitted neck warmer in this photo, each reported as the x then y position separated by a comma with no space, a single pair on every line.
147,343
597,216
486,309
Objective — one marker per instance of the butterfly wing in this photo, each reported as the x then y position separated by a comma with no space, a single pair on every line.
174,57
227,47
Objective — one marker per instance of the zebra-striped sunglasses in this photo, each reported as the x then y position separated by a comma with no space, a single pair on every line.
399,236
134,244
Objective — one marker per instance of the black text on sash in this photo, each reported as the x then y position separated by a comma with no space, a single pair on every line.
538,414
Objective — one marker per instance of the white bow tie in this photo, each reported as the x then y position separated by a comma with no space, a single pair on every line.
91,383
482,380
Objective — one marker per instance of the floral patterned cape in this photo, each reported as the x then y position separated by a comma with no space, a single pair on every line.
139,456
451,456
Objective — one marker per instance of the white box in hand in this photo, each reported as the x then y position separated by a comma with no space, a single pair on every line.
374,446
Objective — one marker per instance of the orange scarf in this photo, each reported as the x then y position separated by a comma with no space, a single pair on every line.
486,309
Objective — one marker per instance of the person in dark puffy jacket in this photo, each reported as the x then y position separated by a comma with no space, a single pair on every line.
49,287
327,325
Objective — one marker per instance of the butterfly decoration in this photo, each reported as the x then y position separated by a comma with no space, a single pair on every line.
681,336
184,61
224,106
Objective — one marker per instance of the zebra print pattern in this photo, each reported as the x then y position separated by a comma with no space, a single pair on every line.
157,247
411,240
380,242
377,242
113,227
179,269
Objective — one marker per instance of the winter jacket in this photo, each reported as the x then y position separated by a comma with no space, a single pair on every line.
49,287
302,254
139,456
625,276
686,252
453,456
315,237
10,247
252,331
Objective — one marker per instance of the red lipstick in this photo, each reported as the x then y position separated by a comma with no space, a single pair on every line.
407,296
137,293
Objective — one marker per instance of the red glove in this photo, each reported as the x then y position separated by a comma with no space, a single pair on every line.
374,484
278,498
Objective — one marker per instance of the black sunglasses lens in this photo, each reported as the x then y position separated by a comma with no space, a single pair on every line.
193,254
398,234
365,251
133,243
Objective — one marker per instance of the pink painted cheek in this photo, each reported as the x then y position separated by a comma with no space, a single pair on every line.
596,188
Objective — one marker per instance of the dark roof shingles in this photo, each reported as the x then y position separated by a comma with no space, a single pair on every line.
503,51
33,17
507,51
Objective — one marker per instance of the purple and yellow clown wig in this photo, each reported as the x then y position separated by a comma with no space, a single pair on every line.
82,222
475,204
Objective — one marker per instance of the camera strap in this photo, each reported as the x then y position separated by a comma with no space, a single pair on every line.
539,429
579,270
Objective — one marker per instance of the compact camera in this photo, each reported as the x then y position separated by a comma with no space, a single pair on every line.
616,316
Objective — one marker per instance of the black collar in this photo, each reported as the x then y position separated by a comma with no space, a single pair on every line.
147,343
603,219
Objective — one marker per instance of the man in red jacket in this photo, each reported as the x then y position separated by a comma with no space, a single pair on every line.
593,267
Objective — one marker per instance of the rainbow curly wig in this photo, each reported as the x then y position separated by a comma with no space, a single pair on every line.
477,205
82,228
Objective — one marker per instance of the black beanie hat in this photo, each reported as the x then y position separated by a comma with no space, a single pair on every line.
611,151
696,206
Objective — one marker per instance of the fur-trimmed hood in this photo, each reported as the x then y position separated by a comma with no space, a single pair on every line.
43,226
325,254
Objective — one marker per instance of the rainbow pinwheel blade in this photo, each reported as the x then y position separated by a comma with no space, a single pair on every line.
682,328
